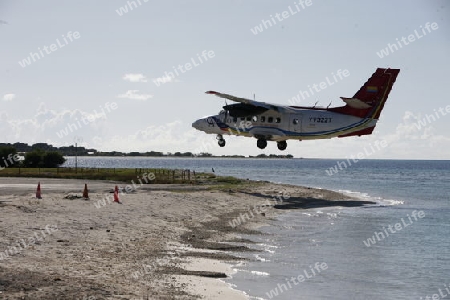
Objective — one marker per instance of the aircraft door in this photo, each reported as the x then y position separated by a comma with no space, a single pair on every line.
295,123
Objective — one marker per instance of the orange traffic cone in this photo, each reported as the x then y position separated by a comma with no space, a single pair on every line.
85,192
116,194
38,191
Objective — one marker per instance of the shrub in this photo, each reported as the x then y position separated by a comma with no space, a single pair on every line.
52,159
7,157
38,158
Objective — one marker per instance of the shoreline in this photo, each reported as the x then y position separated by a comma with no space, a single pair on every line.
163,242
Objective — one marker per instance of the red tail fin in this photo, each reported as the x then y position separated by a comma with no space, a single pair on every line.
371,97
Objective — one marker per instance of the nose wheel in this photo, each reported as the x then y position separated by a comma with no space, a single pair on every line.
282,145
261,143
220,140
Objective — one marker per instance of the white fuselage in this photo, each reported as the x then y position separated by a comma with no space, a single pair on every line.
301,124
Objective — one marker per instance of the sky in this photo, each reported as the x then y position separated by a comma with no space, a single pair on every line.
98,72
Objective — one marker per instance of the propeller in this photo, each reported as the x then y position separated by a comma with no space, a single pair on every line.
226,110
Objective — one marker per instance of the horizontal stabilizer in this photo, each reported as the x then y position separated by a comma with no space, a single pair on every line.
356,103
369,100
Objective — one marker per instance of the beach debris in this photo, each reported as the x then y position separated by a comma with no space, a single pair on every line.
209,274
25,209
85,192
38,191
72,196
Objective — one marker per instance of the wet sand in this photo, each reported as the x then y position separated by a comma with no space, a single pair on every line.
162,242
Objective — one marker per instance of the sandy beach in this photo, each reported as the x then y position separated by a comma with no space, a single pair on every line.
162,242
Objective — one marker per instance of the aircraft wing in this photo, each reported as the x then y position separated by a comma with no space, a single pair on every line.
277,108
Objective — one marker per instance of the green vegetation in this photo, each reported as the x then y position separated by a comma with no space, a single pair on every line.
68,151
42,161
39,158
115,174
52,159
229,183
82,151
273,156
8,157
160,176
228,180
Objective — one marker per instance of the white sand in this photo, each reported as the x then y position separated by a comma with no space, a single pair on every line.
133,250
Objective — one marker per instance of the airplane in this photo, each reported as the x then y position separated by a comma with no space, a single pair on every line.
279,123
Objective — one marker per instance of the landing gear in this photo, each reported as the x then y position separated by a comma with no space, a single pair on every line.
220,140
261,143
282,145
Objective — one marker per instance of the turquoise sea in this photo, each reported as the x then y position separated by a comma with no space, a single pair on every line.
398,248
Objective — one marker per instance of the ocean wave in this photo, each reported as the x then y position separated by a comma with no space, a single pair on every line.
366,197
393,202
256,273
259,258
268,248
235,288
259,273
332,215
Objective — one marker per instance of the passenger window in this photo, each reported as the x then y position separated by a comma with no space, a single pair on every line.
242,118
277,120
255,119
295,121
270,119
263,119
234,120
249,118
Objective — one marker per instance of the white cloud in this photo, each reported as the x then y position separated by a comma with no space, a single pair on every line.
404,141
410,141
170,137
133,94
164,79
55,127
9,97
134,77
